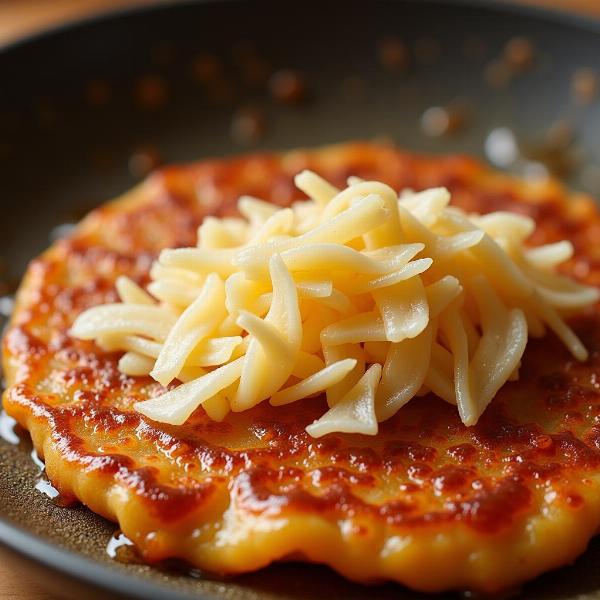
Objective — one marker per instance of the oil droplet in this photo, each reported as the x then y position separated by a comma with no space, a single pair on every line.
178,567
44,486
195,573
122,549
39,463
7,429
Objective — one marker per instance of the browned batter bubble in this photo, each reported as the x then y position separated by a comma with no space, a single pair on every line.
462,453
288,86
424,475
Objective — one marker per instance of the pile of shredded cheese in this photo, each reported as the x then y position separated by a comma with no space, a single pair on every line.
371,298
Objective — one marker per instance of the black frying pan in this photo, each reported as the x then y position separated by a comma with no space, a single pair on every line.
76,103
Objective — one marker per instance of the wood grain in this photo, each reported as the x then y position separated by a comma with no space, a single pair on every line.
23,17
17,585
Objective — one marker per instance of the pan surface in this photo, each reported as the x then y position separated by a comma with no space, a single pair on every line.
86,110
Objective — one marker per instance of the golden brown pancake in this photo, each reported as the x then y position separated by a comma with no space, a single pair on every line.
427,502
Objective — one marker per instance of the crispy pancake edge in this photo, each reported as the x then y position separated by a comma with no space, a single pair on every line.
487,540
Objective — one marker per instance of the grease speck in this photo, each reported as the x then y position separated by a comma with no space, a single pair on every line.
44,486
121,548
7,429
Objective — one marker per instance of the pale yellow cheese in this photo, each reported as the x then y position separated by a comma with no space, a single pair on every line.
373,298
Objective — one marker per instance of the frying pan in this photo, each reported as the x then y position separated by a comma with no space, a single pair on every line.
76,103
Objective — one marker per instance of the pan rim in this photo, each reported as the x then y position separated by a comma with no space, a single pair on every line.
74,565
515,7
83,569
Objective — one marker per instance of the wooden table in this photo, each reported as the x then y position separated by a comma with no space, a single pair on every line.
22,17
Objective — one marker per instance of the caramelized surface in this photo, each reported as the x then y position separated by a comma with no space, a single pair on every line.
428,502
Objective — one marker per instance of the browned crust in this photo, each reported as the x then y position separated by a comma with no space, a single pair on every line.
478,505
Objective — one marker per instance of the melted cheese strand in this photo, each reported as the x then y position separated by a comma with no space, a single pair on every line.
371,298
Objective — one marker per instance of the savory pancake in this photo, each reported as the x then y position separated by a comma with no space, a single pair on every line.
428,502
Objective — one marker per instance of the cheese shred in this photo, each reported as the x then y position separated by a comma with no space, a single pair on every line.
369,297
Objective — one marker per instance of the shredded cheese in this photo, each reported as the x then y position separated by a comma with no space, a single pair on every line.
371,298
